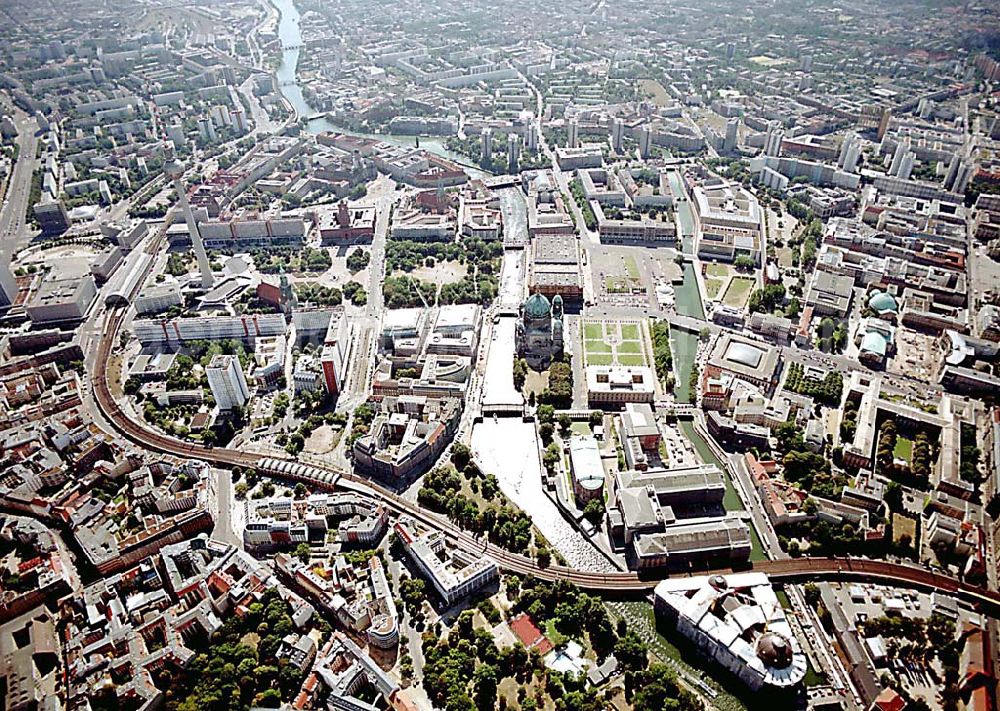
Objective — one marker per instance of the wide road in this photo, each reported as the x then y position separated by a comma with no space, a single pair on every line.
13,219
800,569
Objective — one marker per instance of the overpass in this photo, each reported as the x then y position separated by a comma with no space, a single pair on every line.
328,478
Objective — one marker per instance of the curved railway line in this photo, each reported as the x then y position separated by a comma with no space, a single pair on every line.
329,478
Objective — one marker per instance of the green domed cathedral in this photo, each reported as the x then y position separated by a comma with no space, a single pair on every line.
539,335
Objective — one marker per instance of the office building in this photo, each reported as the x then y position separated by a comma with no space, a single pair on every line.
52,216
728,222
333,357
531,135
227,381
906,166
454,573
572,134
61,301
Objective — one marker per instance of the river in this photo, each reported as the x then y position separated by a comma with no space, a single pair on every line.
291,38
507,447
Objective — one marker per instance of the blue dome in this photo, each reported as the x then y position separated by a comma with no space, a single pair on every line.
537,306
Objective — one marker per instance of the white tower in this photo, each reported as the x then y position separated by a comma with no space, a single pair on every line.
486,144
572,133
174,170
531,135
513,152
775,134
227,381
732,133
949,178
8,286
853,155
906,165
962,177
617,135
207,129
646,141
897,157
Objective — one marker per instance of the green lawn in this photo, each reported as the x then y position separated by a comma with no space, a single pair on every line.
599,359
555,636
630,347
616,285
630,331
593,331
632,268
631,359
712,287
738,292
580,428
597,347
717,270
904,449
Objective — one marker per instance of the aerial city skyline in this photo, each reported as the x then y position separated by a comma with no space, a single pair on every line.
578,357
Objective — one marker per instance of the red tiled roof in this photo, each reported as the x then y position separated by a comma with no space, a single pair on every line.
889,700
527,632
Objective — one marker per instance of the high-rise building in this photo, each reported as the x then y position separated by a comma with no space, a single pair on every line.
175,132
806,63
645,141
240,121
853,155
174,170
730,51
227,381
875,118
8,286
513,152
52,216
572,133
486,144
732,132
207,129
902,147
906,166
953,167
962,177
531,135
617,135
775,135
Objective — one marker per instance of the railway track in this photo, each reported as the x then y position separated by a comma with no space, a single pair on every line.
329,478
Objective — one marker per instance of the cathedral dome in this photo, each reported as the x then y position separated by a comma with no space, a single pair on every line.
775,650
537,306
